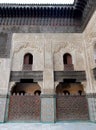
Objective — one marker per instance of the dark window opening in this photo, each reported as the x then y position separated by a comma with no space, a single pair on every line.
80,92
67,59
26,81
28,59
37,92
69,80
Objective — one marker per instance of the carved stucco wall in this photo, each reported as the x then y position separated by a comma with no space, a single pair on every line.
89,38
27,43
34,43
68,43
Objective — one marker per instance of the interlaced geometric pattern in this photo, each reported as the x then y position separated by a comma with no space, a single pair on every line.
71,107
27,67
69,67
25,108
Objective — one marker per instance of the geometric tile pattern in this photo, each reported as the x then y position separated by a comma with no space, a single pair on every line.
71,107
25,108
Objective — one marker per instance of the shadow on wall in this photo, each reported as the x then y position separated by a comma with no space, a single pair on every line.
69,88
26,88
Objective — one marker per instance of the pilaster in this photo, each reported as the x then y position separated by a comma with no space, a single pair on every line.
47,97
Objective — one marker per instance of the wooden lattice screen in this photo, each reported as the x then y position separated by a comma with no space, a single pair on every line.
71,107
25,107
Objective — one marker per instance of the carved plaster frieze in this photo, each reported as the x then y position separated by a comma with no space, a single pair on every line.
26,45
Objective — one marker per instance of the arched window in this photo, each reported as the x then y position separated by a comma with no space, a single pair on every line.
28,61
67,61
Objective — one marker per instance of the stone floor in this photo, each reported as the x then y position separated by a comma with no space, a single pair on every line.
40,126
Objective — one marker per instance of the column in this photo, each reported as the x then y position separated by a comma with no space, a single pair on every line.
48,97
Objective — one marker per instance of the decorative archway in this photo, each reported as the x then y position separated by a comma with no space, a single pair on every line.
70,88
25,88
70,103
24,104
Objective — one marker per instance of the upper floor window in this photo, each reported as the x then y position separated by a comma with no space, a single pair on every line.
28,61
67,61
